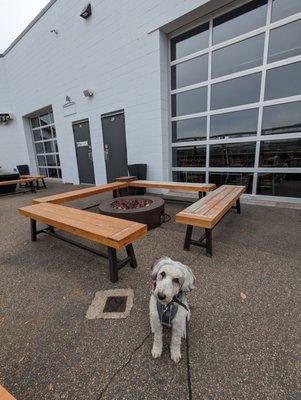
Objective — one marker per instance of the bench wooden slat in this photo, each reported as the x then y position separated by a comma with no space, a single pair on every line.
109,231
16,181
208,211
191,187
4,395
80,193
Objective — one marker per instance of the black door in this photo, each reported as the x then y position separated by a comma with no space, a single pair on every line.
114,139
83,150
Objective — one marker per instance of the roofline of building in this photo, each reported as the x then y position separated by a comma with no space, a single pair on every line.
28,27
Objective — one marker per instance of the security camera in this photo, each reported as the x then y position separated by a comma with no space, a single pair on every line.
88,93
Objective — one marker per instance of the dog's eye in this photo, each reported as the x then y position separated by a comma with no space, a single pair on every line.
163,274
176,280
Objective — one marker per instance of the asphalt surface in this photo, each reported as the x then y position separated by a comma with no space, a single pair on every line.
239,348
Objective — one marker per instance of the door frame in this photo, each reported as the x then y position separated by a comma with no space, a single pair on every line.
76,123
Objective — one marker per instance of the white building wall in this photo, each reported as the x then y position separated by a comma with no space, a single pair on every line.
118,53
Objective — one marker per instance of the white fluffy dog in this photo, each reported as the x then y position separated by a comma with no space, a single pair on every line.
171,281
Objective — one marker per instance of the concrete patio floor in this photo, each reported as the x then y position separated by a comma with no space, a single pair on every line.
239,349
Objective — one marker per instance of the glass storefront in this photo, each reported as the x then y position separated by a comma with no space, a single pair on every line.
236,99
45,144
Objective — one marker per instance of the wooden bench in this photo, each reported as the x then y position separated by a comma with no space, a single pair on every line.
4,395
207,212
36,178
28,180
114,233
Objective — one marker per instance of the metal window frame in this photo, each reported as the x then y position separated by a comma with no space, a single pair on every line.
258,137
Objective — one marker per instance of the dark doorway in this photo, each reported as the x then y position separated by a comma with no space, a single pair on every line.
83,150
114,142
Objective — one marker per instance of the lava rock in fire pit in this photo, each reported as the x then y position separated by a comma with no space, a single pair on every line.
145,209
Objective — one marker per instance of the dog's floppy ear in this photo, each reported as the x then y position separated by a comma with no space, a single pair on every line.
156,267
189,278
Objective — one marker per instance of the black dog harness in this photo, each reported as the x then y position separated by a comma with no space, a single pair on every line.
169,311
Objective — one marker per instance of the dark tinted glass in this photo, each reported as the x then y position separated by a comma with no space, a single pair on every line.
284,8
283,81
37,135
189,72
190,42
53,131
232,178
49,147
189,129
45,119
192,156
236,91
240,20
238,57
51,160
46,133
43,171
35,122
41,160
282,118
39,148
53,173
193,177
59,173
232,155
288,185
280,154
189,102
58,163
285,41
234,124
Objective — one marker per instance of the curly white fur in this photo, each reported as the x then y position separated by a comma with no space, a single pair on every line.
170,278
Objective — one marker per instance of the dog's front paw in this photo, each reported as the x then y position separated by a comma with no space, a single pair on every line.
175,355
156,352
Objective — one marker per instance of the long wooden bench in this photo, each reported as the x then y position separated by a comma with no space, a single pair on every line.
4,395
36,178
207,212
29,180
114,233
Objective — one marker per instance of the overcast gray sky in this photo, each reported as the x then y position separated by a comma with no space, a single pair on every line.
15,15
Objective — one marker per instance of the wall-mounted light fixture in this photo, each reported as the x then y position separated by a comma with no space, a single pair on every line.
87,11
88,93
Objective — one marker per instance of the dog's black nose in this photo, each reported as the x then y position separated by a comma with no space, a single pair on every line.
161,296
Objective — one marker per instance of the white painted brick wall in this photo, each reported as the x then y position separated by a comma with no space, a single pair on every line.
114,54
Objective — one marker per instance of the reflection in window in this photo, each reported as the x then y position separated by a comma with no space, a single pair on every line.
283,81
232,155
285,41
280,154
281,118
189,72
192,156
240,20
232,178
189,129
190,42
189,102
192,177
236,91
288,185
234,124
238,57
284,8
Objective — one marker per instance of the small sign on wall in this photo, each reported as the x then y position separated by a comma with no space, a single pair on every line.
82,144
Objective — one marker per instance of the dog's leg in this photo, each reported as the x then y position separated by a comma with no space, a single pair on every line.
156,328
175,346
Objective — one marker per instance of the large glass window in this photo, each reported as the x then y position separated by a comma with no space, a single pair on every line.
288,185
234,124
240,20
283,81
190,42
189,72
189,102
281,118
285,8
232,178
45,143
280,154
238,57
189,129
192,177
192,156
236,91
285,41
232,155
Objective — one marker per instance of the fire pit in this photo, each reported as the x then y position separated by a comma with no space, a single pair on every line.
145,209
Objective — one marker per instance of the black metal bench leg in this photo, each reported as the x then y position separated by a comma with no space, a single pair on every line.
238,206
208,233
33,229
188,237
113,264
131,253
51,229
44,184
32,188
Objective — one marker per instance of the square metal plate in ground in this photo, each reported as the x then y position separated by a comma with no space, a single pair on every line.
111,304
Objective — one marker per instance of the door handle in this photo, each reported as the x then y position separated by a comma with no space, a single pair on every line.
106,152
